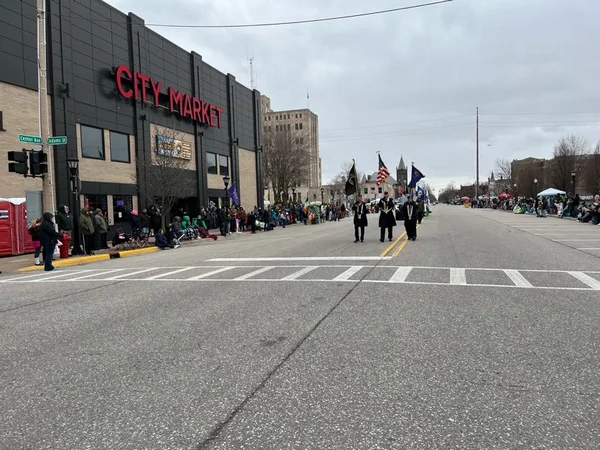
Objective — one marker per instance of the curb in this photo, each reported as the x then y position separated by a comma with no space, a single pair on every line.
93,258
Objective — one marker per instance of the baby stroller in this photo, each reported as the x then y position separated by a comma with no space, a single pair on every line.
121,240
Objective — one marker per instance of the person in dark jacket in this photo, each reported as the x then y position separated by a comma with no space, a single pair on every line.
360,219
411,214
64,220
387,219
48,240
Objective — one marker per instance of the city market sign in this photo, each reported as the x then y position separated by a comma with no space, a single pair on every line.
142,87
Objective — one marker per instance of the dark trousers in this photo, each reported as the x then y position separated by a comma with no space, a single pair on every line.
88,242
389,233
362,232
48,255
411,228
420,217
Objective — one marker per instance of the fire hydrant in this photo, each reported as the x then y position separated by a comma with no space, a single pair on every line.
64,248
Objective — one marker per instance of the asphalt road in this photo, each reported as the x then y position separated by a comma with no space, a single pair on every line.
482,334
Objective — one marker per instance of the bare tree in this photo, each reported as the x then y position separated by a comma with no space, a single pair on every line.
592,172
449,192
568,154
338,182
167,174
286,160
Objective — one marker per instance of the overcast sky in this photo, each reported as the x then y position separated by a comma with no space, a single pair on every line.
407,83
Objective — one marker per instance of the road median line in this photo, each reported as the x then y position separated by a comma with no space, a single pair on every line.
392,245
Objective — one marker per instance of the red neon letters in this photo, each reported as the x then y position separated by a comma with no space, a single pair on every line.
187,106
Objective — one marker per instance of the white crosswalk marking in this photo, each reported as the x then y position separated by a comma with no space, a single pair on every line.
345,276
208,274
517,278
586,280
165,275
91,275
296,275
458,276
401,274
253,273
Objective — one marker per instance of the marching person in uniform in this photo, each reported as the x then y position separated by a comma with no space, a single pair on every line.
411,214
386,216
360,218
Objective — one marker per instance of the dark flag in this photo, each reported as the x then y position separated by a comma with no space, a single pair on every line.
382,173
352,180
416,176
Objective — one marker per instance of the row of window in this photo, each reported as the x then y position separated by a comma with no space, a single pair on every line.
92,144
297,126
211,164
283,117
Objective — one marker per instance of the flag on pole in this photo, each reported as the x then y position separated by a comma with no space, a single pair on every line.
416,176
383,172
351,182
234,195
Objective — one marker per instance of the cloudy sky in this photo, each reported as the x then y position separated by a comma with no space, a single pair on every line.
407,83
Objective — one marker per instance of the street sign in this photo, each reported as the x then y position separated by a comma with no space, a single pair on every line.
57,140
30,139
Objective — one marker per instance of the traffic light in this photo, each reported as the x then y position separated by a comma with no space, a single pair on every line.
38,163
19,162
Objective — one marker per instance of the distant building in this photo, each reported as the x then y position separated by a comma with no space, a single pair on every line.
401,177
305,123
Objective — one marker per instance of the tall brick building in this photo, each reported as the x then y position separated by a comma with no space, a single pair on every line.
120,92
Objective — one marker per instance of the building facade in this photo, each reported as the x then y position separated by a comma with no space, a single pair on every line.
305,124
123,94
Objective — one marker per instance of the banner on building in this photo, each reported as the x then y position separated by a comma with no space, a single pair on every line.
172,147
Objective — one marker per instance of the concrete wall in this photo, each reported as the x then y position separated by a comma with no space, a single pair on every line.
248,186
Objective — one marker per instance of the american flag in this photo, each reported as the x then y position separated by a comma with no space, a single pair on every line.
383,172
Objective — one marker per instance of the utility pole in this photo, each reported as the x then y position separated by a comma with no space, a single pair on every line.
44,120
477,158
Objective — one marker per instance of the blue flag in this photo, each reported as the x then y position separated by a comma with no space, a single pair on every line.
416,176
234,195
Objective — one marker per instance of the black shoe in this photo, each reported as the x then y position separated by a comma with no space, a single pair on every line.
414,239
381,240
362,240
355,241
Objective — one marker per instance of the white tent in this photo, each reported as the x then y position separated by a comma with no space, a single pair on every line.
551,191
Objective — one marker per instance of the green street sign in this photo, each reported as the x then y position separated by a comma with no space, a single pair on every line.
57,140
30,139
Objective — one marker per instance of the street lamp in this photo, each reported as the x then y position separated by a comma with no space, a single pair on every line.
322,191
515,186
226,183
573,175
73,170
535,182
294,193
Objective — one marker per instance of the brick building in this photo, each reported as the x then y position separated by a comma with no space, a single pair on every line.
122,93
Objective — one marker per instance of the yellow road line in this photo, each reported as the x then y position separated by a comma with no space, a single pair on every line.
392,245
400,247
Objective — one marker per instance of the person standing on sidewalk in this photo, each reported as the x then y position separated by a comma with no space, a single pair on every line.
34,231
86,227
48,240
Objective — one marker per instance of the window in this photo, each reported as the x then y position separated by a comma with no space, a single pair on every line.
301,115
380,189
96,201
300,125
289,126
122,206
1,122
211,164
92,142
119,147
301,141
296,115
295,126
366,190
223,165
276,127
